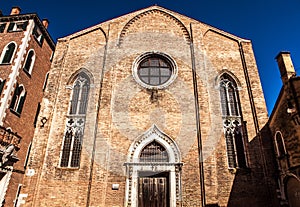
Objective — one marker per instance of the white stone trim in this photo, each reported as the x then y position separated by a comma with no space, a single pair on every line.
15,70
4,184
133,166
140,58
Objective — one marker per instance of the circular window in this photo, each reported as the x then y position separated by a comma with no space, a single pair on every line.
154,70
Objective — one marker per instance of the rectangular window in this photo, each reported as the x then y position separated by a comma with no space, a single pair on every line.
17,26
38,35
2,27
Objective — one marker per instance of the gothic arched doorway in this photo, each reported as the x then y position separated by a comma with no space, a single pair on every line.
153,171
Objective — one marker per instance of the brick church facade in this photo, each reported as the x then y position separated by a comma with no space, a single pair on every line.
152,108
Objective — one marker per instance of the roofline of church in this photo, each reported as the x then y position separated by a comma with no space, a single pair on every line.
98,26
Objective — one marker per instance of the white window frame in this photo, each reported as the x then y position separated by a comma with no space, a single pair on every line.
4,52
18,26
142,57
17,102
32,62
276,144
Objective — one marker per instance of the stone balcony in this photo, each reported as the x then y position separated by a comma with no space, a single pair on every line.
8,138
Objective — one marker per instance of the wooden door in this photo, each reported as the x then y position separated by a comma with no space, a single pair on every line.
153,192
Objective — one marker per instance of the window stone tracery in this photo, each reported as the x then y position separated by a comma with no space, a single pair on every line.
72,143
233,124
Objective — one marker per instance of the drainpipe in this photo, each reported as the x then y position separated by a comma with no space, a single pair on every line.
199,139
255,119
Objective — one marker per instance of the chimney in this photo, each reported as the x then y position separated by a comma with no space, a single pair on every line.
1,14
45,23
285,65
15,10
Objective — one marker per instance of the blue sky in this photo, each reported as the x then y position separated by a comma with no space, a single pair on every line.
271,25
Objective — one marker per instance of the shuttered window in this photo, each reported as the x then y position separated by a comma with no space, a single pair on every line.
18,99
29,62
17,26
7,53
2,27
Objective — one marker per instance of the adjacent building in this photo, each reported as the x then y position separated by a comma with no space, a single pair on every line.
284,124
25,53
152,108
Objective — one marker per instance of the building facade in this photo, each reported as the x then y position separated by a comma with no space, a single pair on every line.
25,52
152,108
284,125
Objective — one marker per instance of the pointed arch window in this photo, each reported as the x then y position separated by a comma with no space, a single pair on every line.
79,95
154,152
229,96
29,62
8,53
18,99
72,143
233,124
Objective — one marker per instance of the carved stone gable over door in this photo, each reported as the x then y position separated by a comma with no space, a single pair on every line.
153,171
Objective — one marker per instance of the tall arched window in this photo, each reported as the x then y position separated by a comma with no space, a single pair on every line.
229,96
279,144
8,53
72,143
232,122
29,62
18,99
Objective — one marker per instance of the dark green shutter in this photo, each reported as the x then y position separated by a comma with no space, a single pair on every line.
14,98
11,26
21,103
28,61
2,27
34,31
9,53
2,86
41,39
24,26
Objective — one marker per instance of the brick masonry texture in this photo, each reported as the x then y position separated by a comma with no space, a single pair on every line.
33,84
120,110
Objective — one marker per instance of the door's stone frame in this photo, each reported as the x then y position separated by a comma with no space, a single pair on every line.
133,166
